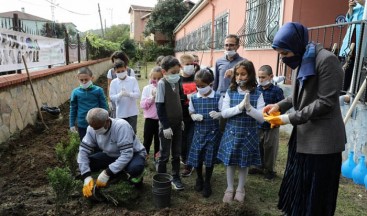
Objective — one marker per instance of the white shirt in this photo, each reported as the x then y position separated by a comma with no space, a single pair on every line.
211,95
228,111
126,106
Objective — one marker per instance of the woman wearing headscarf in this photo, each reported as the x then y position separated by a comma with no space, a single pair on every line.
311,179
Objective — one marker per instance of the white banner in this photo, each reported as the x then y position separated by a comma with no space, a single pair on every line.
38,51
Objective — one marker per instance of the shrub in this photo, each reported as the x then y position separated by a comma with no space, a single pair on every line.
121,193
67,153
62,183
100,48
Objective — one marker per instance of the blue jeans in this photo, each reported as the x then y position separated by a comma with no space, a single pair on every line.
82,132
101,160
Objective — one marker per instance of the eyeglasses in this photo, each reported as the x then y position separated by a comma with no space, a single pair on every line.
230,45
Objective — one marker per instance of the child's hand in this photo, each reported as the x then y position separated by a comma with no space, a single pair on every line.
215,115
154,92
168,133
124,93
245,103
73,129
197,117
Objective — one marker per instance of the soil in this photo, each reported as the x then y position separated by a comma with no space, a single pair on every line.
24,188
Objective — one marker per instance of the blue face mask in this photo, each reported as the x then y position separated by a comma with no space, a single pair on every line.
292,62
172,78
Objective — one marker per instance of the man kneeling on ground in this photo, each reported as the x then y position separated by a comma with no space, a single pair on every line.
121,151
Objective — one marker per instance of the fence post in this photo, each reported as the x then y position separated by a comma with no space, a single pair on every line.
78,40
67,57
87,48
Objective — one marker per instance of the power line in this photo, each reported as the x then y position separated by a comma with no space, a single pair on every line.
58,5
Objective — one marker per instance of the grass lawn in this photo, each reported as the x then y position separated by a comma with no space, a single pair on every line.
261,195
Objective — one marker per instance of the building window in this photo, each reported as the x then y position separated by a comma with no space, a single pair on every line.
261,23
221,31
206,36
132,27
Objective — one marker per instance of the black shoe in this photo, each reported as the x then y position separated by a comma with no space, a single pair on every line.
269,175
207,190
199,184
177,184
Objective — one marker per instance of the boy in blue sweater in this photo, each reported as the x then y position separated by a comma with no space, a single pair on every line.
84,98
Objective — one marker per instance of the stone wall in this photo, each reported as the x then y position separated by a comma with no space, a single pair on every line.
52,87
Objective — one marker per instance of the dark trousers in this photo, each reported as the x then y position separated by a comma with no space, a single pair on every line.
133,120
269,145
170,145
151,129
348,73
101,160
187,135
82,132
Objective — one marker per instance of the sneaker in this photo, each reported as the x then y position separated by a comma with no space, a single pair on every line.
177,184
207,190
187,171
199,184
269,175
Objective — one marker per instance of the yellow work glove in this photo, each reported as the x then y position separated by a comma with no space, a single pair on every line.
102,179
275,119
88,186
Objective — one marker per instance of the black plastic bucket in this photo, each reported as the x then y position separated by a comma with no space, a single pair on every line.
161,189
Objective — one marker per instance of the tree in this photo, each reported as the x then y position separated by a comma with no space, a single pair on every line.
166,15
56,30
118,33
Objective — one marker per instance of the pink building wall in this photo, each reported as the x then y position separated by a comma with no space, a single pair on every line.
308,12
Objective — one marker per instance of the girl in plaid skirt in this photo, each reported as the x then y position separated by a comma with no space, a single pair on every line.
204,108
239,147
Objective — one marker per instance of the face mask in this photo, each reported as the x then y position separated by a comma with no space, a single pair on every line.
292,62
172,78
230,53
189,70
205,90
121,75
86,85
154,82
264,83
101,131
241,83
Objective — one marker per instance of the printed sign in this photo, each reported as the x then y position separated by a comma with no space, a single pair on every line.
38,51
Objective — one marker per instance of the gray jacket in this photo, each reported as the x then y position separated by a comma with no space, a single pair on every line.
317,116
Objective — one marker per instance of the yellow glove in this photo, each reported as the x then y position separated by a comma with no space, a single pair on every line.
102,179
275,119
88,186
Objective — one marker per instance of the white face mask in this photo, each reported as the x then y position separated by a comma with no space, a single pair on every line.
264,83
230,53
241,83
189,70
172,78
101,131
121,75
86,85
205,90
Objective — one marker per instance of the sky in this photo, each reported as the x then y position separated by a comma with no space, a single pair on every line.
83,13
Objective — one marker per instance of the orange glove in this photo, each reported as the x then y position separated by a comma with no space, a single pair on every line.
88,186
275,119
102,179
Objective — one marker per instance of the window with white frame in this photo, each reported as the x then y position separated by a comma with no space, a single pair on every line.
221,30
261,23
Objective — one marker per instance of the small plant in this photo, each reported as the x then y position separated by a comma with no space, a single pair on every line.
120,193
67,153
62,183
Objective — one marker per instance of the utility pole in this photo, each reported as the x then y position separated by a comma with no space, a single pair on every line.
100,18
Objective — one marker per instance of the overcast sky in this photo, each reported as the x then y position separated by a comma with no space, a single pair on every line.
83,13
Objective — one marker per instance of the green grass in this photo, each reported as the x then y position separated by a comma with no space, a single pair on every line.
261,195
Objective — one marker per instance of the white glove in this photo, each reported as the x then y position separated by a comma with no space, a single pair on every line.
73,129
215,115
102,179
182,126
189,96
110,107
245,103
196,117
168,133
124,93
154,92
